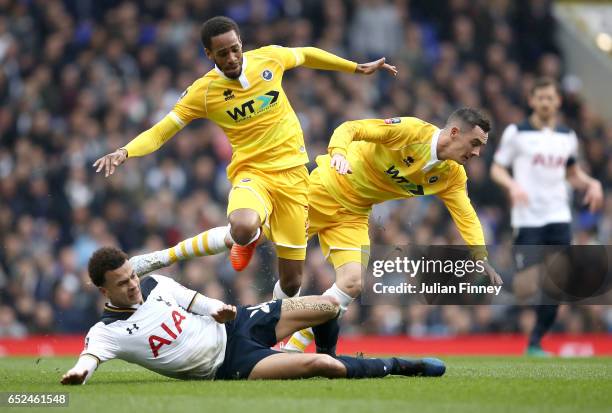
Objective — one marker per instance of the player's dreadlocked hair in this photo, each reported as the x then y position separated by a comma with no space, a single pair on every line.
216,26
105,259
470,118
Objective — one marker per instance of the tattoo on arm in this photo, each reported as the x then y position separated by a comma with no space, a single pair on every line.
304,303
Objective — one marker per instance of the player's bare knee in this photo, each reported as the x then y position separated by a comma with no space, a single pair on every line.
348,279
351,285
291,285
327,366
244,224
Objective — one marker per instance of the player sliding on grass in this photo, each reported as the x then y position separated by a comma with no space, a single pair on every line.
244,96
165,327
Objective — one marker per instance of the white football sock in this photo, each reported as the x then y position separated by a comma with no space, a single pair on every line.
301,339
209,242
279,294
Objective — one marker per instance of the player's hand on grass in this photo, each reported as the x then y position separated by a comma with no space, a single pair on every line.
74,377
110,162
594,196
371,67
341,164
224,314
494,277
518,196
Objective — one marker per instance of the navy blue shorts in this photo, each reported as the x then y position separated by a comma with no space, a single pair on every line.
249,338
526,250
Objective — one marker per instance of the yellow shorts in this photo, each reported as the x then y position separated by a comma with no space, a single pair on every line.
343,234
281,200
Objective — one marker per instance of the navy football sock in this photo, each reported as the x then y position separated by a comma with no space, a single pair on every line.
326,336
360,368
545,318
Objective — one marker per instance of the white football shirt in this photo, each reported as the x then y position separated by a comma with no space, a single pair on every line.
160,334
539,158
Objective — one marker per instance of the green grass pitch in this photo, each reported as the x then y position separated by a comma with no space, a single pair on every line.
471,384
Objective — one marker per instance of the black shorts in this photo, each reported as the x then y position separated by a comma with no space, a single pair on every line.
249,338
526,245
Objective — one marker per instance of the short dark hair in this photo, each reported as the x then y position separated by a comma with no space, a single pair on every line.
104,259
471,117
216,26
543,82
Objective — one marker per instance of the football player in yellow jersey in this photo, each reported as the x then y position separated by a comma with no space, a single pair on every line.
369,162
372,161
244,96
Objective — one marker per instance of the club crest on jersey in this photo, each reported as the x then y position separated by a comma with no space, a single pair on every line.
433,180
391,121
267,75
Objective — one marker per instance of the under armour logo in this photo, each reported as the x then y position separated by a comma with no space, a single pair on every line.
160,299
135,327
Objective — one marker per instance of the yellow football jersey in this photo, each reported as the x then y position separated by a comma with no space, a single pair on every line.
394,159
253,111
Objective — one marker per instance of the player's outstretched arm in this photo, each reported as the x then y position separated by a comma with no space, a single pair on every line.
81,372
217,309
147,142
74,377
224,313
315,58
109,162
580,180
372,67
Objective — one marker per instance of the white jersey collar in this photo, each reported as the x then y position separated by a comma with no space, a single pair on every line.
433,158
244,82
113,306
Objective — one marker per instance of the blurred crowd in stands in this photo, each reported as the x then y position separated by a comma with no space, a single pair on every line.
80,78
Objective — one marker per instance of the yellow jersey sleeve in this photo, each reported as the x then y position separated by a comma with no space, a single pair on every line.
310,57
320,59
152,139
464,216
193,102
393,133
287,57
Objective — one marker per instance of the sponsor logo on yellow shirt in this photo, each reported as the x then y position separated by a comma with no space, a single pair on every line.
254,107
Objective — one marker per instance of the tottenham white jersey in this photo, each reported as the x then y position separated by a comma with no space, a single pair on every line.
539,158
160,335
